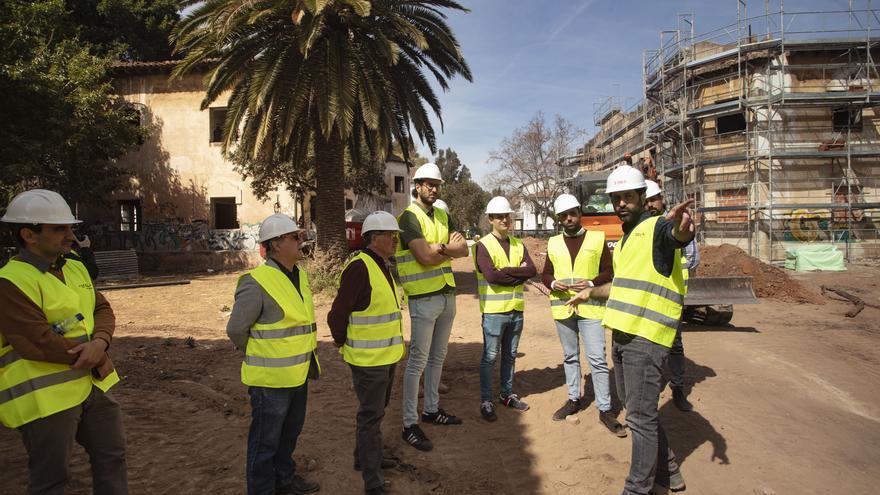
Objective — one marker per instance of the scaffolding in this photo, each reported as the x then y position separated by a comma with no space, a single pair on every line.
769,123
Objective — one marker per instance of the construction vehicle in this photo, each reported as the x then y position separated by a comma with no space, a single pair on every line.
709,300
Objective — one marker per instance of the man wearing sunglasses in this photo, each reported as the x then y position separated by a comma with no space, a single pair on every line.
577,259
366,324
273,320
427,246
502,265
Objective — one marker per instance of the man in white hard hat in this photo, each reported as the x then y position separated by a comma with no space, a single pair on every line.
502,265
273,321
365,321
643,307
55,329
578,259
427,245
654,201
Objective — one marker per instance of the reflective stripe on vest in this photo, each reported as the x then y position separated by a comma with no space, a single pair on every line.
499,298
642,301
374,336
417,278
278,354
584,267
31,390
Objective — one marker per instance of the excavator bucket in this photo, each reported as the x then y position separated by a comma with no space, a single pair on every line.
709,291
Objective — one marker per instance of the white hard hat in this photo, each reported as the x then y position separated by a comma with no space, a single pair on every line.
39,206
442,205
276,225
651,189
379,220
428,171
565,202
498,206
624,178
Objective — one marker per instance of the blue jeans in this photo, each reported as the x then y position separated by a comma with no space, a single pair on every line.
592,334
638,368
501,332
431,321
277,419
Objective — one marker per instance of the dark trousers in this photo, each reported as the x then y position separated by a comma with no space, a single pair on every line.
676,360
96,424
277,418
638,368
373,388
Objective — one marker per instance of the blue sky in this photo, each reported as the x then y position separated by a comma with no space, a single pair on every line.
561,57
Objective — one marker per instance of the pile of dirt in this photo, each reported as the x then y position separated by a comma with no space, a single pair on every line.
767,280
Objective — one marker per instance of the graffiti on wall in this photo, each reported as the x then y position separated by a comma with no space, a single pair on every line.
817,225
170,236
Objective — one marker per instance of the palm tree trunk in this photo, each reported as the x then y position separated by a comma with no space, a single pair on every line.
330,185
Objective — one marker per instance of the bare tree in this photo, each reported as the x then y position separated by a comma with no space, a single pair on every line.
528,161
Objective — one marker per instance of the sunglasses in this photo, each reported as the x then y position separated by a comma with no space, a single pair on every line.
391,233
296,236
498,217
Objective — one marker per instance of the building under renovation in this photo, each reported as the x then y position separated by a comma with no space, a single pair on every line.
770,123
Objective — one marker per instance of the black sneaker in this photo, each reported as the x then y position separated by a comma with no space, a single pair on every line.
441,418
513,401
570,407
416,437
487,410
608,419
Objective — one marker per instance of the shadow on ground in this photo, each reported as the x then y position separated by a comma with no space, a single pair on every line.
186,417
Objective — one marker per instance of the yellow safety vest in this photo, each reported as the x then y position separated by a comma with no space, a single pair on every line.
642,301
585,267
499,298
278,354
375,335
31,390
413,276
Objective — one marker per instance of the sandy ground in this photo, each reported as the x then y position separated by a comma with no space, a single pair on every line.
786,402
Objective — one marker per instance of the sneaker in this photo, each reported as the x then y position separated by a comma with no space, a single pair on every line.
608,419
570,407
513,401
487,410
680,400
414,436
440,418
297,486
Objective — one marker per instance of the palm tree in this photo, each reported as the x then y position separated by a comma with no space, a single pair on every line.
316,84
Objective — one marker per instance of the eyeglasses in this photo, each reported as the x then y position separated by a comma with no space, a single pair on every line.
296,236
498,217
391,233
435,187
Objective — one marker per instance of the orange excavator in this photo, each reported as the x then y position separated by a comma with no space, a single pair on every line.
709,300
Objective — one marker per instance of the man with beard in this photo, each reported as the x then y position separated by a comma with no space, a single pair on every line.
643,309
578,259
423,257
654,201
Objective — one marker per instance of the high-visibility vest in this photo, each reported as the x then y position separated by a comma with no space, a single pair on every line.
375,335
31,390
278,354
642,301
499,298
413,276
584,267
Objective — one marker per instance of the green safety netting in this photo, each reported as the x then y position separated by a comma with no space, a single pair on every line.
814,257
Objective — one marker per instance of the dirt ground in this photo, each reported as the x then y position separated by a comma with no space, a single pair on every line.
785,402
